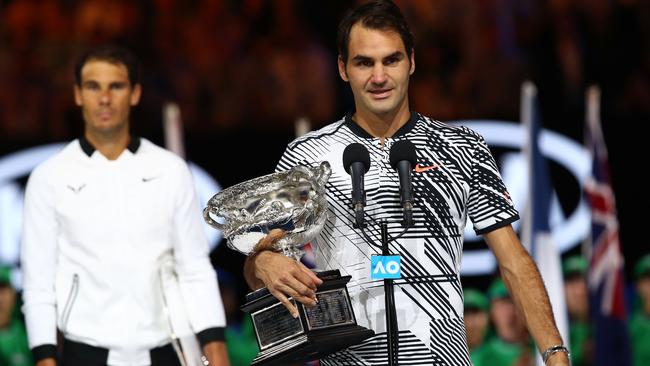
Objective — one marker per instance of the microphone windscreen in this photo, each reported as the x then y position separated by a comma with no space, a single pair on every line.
402,150
356,153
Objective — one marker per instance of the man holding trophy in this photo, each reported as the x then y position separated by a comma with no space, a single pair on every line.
451,176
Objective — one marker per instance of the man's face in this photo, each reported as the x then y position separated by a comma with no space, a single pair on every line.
577,297
476,322
508,324
643,288
378,69
105,96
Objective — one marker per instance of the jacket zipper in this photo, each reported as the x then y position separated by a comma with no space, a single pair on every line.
72,296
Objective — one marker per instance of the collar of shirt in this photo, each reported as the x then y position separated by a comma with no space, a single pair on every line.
89,149
354,127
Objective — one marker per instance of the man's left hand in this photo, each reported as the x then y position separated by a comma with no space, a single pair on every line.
216,353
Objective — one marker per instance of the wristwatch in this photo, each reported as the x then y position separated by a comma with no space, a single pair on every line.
553,350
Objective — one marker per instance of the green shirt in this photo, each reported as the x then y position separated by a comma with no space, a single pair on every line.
498,352
476,355
241,343
14,350
640,337
580,339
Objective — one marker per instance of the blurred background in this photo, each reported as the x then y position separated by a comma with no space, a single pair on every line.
243,72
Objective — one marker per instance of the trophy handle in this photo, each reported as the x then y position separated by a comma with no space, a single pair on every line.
324,173
209,221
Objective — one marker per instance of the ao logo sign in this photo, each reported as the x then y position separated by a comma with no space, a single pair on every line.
19,164
385,266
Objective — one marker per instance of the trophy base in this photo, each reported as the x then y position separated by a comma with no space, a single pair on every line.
313,346
321,330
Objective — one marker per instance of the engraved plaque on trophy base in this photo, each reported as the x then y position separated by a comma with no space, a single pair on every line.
323,329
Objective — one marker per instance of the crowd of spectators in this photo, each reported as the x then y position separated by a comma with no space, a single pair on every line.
496,332
263,64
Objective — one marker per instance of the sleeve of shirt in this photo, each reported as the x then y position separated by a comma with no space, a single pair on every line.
490,206
38,260
286,161
196,276
293,156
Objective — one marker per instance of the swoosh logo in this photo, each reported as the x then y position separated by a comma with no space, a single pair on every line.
76,189
419,168
148,179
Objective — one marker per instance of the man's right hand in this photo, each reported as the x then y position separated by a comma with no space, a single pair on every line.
46,362
284,277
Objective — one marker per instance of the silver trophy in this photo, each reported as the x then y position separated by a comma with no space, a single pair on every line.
295,201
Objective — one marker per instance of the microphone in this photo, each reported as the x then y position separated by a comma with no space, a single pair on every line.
356,161
402,159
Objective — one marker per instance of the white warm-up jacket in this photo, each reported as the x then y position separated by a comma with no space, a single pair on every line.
95,233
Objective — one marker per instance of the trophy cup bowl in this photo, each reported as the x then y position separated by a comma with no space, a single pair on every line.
294,201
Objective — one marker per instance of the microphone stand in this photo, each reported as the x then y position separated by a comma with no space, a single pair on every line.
389,295
389,299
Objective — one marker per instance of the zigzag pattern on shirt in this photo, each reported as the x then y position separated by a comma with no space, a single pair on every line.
374,351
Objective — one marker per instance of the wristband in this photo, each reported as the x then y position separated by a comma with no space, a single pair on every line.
262,248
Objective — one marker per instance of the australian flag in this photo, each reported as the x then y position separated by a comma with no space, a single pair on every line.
606,282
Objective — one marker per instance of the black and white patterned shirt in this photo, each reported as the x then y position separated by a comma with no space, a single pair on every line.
456,177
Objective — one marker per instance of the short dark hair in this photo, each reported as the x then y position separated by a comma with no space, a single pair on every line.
377,14
110,53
